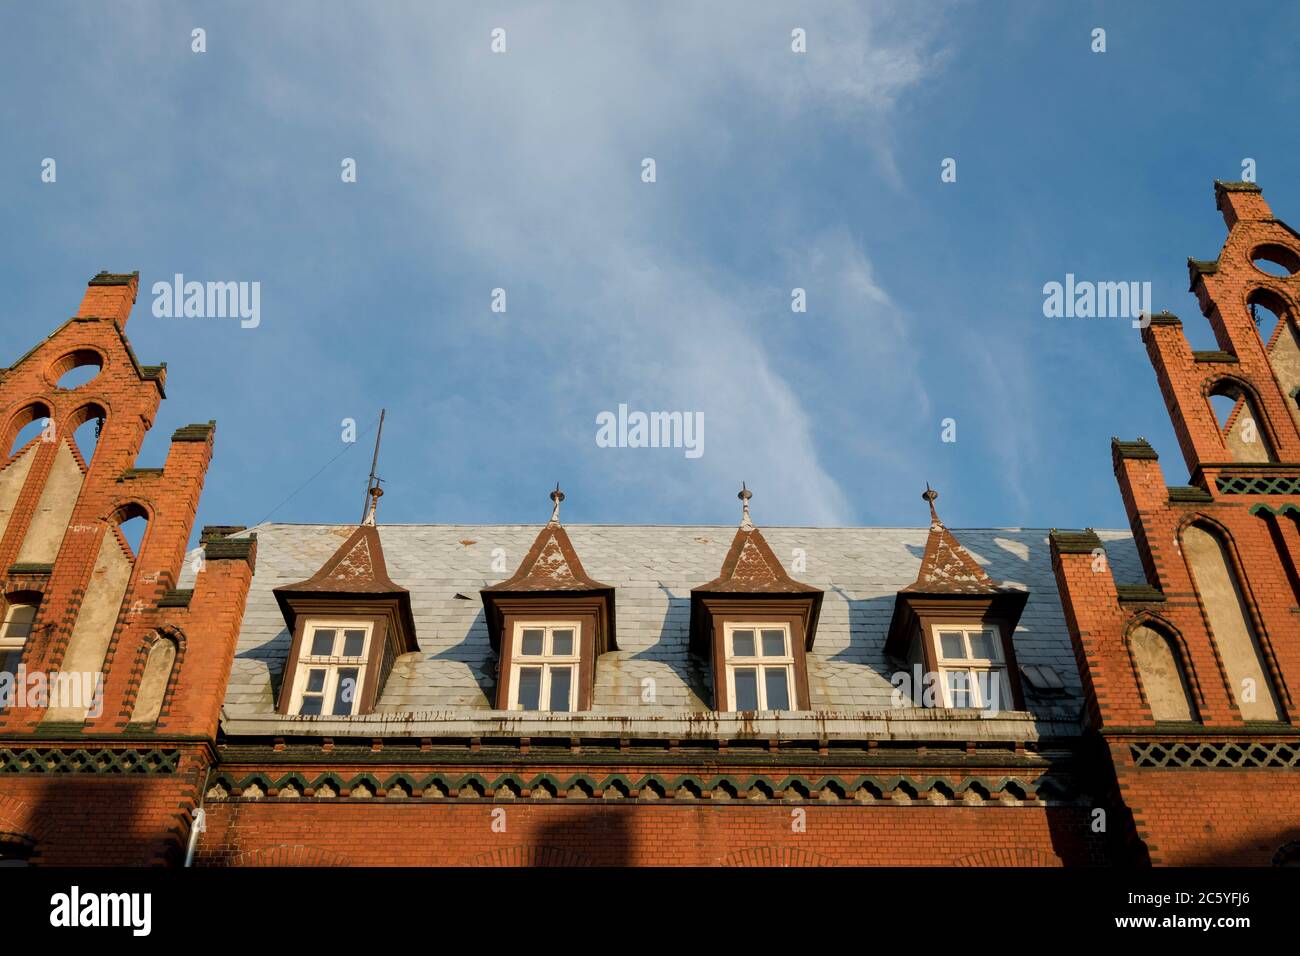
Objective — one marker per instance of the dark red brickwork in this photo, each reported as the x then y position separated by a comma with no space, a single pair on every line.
104,820
420,834
107,811
1205,817
1246,808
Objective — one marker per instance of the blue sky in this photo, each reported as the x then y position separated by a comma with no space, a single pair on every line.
522,171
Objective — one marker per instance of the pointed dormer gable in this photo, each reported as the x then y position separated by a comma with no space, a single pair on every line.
755,624
357,567
551,564
751,567
947,567
548,622
352,605
955,619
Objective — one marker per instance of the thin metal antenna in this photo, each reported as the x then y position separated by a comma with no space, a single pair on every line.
373,482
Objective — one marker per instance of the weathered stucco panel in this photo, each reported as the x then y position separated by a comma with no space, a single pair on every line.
96,619
12,480
54,511
1162,678
1285,359
1230,623
1246,439
153,686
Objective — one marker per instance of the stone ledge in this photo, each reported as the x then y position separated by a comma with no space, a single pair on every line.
911,723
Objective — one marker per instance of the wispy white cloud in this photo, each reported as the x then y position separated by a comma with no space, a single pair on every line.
522,170
536,155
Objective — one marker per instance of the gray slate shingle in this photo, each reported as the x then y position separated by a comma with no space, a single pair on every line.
653,569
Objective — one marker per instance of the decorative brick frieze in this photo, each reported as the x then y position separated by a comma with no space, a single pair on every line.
103,760
1230,754
930,790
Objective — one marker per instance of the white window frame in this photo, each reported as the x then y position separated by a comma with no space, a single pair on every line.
545,660
973,666
331,664
758,662
9,641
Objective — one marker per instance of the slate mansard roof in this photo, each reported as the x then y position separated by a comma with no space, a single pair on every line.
450,680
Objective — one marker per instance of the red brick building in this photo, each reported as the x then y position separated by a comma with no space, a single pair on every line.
574,694
1191,671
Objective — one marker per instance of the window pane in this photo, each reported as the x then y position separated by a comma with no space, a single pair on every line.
560,679
951,645
983,645
311,706
773,643
746,687
9,663
778,690
532,642
530,688
315,680
562,642
347,691
353,643
742,643
958,688
993,688
19,625
322,644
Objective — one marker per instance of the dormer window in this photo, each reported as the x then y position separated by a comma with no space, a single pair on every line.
548,623
951,630
760,666
544,667
349,623
754,624
332,670
972,667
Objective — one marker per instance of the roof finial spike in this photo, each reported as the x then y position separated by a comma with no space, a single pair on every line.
372,483
930,495
744,495
375,494
556,496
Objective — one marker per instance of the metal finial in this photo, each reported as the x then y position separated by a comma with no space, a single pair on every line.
744,495
556,496
930,495
375,493
368,507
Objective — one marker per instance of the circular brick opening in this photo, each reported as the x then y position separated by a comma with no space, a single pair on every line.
1275,260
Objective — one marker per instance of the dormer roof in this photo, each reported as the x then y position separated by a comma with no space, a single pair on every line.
751,570
949,579
355,577
947,567
550,568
